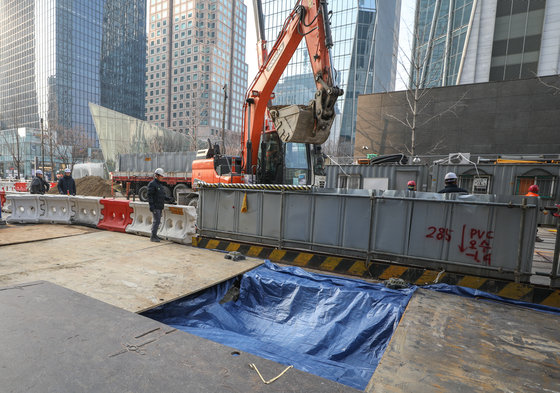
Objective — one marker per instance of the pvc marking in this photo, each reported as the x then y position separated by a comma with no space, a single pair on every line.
475,243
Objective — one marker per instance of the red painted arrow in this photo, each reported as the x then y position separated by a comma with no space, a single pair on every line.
461,246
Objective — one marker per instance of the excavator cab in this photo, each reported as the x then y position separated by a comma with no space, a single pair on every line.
283,163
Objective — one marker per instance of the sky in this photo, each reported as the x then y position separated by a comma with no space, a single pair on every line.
407,23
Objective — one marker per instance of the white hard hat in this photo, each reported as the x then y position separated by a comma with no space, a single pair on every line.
38,172
159,171
450,176
68,170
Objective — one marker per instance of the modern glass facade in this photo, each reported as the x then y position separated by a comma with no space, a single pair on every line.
363,58
438,46
56,56
494,41
196,52
517,39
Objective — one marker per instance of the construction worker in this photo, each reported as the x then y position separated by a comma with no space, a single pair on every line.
156,199
451,184
67,185
38,184
411,186
534,192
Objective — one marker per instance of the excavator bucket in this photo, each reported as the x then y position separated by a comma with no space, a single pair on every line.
297,123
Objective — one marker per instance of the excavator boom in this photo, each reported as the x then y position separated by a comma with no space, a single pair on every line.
294,123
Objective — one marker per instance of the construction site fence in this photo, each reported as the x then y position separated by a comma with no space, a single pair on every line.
178,222
485,235
479,179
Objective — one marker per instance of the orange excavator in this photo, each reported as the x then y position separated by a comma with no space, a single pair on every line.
280,151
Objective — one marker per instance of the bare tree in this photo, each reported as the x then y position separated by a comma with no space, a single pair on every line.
194,115
13,147
414,63
554,88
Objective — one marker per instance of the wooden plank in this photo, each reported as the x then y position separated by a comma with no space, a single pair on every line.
124,270
449,343
15,234
56,340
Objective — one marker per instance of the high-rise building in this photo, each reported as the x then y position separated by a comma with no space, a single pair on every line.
56,56
364,58
471,41
196,55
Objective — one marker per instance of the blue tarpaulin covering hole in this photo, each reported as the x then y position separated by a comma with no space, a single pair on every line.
333,327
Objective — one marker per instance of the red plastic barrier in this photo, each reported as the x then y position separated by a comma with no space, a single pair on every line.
2,198
21,187
116,215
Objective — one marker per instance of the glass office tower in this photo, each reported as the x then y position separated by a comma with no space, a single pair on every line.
473,41
364,58
56,56
196,53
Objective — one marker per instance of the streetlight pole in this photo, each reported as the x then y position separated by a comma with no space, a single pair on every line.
224,120
42,148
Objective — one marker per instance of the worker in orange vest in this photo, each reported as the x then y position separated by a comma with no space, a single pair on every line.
534,192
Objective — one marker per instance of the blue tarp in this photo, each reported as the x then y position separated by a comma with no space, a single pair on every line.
333,327
475,293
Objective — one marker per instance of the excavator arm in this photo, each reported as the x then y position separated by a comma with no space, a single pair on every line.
295,123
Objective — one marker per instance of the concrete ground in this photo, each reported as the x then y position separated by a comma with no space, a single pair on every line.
121,269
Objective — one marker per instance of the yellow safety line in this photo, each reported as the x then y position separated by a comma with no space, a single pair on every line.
330,263
553,300
358,268
302,259
233,247
277,255
213,243
428,277
515,291
472,282
392,271
254,251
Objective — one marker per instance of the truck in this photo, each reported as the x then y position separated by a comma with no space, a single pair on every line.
282,144
135,171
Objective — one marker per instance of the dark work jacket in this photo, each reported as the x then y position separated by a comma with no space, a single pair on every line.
156,195
452,188
38,186
66,185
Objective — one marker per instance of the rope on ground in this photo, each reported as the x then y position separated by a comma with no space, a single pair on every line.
270,380
438,276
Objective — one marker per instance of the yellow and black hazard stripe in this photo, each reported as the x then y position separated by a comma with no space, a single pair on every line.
243,186
384,271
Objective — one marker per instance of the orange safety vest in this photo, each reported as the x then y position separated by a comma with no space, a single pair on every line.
532,194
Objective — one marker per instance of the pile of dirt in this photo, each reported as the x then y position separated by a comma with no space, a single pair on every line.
91,186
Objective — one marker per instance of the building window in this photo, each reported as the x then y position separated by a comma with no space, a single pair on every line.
349,181
547,185
475,184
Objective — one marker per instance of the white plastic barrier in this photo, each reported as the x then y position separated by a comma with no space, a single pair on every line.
87,210
7,186
24,208
179,223
56,209
141,219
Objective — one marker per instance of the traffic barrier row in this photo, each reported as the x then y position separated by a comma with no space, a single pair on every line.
21,186
141,219
7,186
87,210
178,223
116,215
24,208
